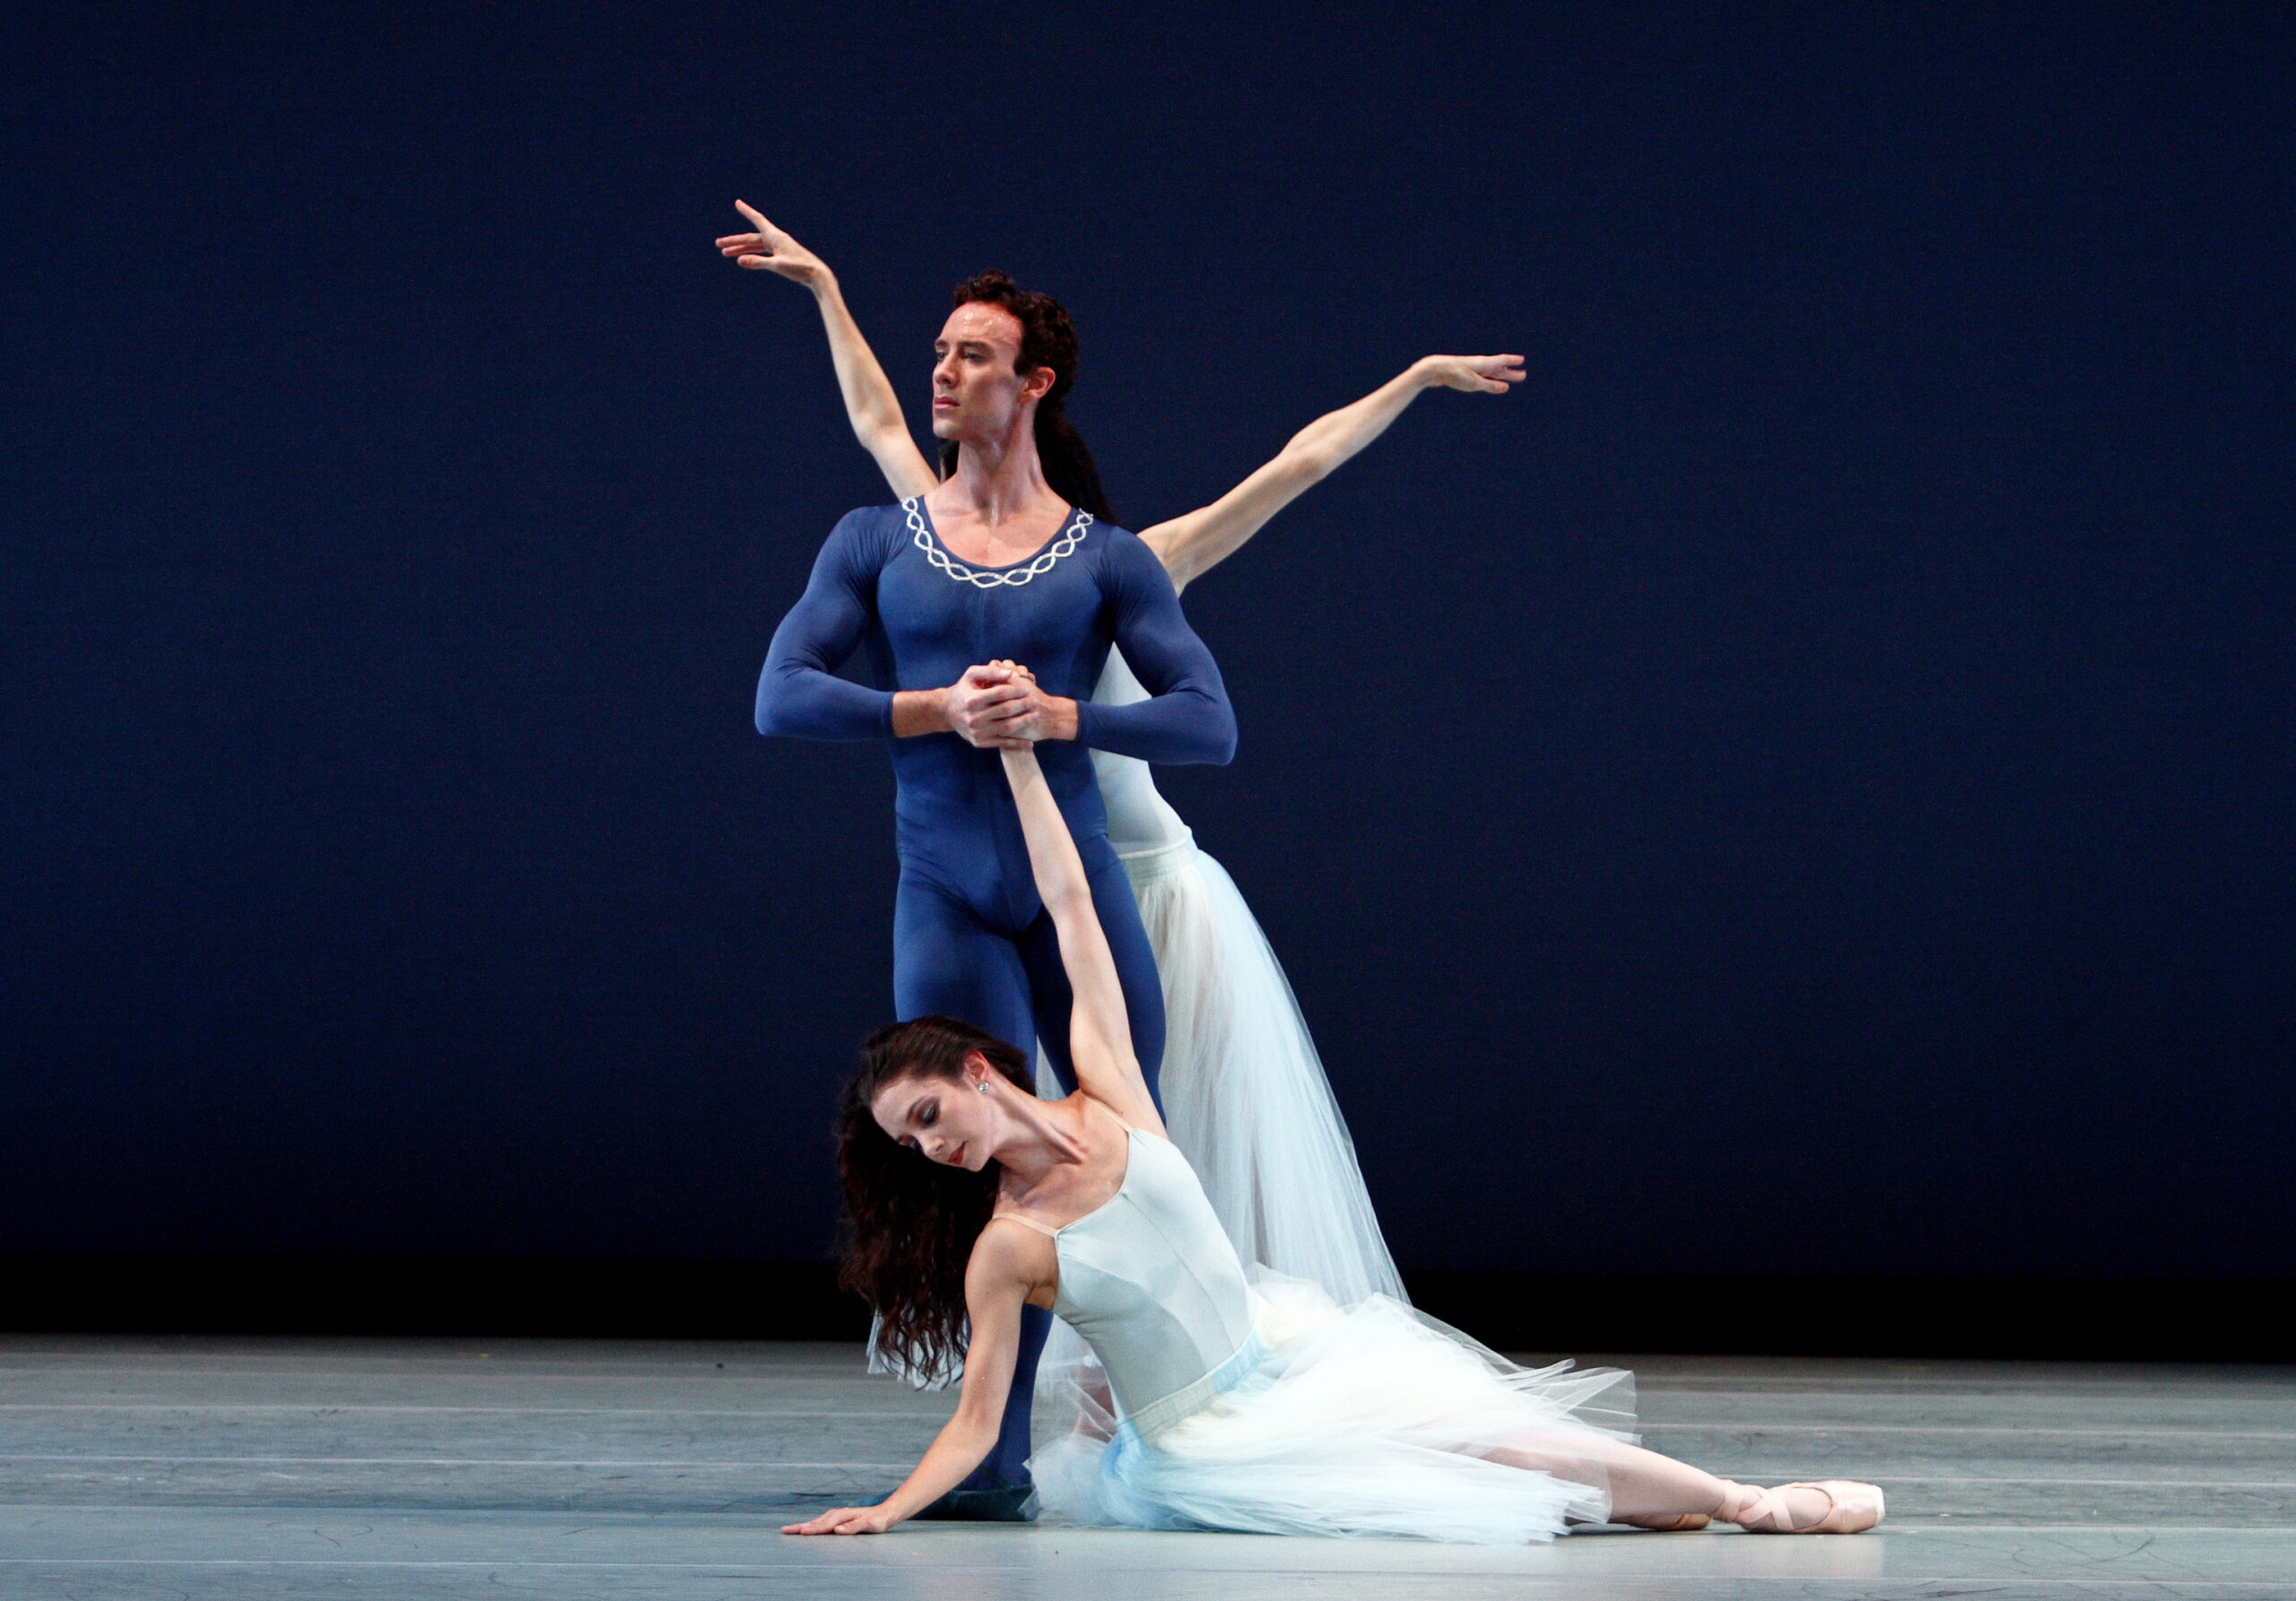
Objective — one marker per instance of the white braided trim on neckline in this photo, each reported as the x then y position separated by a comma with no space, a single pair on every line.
1073,536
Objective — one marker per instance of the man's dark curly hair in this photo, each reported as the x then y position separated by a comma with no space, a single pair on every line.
1048,339
910,1222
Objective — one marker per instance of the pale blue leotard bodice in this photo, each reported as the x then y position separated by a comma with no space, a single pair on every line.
1152,1283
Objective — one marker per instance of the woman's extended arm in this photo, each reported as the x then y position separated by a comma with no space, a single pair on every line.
870,405
1194,544
1188,545
1006,1265
1100,1032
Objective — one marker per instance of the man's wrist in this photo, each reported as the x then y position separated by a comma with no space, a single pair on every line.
920,711
1067,718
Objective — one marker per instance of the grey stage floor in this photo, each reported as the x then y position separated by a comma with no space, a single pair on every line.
253,1469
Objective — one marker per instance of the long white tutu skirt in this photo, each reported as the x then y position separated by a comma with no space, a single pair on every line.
1370,1421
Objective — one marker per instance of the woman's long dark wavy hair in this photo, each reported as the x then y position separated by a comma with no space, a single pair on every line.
1048,339
910,1222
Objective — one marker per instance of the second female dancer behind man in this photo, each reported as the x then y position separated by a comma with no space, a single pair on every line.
1243,1091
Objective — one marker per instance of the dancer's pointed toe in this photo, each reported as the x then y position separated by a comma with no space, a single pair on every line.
1851,1508
1857,1507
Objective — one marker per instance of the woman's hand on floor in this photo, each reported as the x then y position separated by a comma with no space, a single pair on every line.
845,1520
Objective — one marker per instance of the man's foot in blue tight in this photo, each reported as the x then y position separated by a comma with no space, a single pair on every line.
973,1502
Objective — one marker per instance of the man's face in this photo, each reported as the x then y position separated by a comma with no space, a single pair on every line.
975,390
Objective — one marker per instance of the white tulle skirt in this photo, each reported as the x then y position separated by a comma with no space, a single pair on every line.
1367,1420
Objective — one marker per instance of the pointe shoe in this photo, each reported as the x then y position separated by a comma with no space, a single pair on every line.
1857,1507
1852,1508
1671,1524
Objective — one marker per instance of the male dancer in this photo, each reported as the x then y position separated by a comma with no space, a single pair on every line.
1011,560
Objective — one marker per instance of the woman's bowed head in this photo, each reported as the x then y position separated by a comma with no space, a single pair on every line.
940,1089
920,1134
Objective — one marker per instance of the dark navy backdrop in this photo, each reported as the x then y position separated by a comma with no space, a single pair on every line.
1801,784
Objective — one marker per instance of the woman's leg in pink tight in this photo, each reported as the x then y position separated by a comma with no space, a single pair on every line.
1645,1485
1641,1484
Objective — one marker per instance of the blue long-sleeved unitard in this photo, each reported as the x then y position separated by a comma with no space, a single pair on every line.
970,938
884,582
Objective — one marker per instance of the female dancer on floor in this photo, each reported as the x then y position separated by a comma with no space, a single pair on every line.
1263,1408
1244,1094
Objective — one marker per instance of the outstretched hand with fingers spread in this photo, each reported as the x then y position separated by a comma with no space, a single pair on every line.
1487,375
768,250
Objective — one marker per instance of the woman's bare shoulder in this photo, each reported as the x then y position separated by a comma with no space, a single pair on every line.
1018,1252
1019,1261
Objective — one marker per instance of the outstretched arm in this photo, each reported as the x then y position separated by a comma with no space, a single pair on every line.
1006,1265
1194,544
1100,1030
870,405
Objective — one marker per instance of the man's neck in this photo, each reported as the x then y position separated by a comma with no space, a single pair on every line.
999,479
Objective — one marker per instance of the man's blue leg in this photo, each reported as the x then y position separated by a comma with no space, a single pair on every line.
1008,1463
948,962
1135,971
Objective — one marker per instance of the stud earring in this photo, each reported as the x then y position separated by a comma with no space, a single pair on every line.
982,1086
